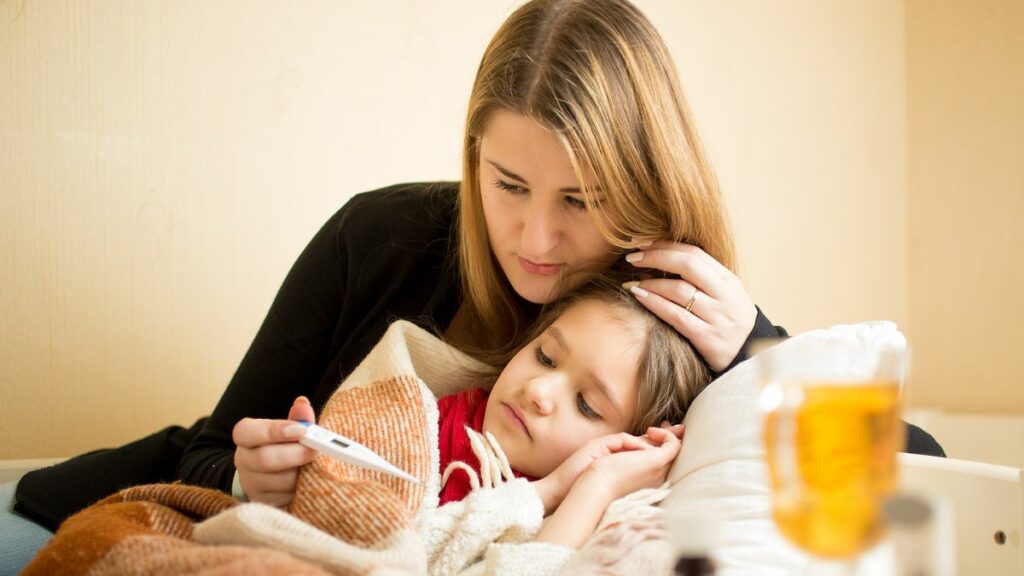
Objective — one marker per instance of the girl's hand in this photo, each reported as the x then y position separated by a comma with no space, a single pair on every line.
553,487
603,481
621,473
268,455
709,306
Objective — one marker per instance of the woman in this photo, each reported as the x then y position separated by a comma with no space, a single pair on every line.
579,150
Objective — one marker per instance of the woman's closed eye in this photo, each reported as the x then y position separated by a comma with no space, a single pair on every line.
516,190
577,203
510,188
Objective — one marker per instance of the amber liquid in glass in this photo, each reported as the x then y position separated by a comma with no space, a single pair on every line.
827,494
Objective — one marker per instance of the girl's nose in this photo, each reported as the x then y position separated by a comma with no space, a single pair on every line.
540,392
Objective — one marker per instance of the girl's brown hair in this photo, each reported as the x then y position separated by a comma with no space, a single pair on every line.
671,372
598,75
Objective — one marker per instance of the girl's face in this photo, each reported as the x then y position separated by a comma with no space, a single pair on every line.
576,382
537,221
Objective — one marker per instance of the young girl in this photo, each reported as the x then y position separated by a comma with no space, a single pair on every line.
583,408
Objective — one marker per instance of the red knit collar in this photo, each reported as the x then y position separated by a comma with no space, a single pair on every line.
456,412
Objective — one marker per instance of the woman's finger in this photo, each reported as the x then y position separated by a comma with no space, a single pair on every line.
698,269
253,432
685,295
301,410
686,323
714,264
274,457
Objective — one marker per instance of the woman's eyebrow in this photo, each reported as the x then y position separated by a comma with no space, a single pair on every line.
598,383
509,174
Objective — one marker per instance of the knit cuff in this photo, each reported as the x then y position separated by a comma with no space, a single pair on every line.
762,329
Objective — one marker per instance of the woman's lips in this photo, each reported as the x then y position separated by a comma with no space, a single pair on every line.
538,269
516,418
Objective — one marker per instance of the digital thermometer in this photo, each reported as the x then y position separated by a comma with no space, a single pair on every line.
348,450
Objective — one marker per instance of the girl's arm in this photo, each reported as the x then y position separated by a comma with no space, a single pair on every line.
578,515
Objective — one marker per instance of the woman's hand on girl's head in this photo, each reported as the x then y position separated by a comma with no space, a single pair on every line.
709,306
268,455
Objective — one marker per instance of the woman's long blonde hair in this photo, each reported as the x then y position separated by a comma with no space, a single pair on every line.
598,75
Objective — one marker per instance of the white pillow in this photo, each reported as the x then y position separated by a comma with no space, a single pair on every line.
721,469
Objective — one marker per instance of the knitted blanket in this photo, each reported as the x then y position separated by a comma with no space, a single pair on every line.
349,520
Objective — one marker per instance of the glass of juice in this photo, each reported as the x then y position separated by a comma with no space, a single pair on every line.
832,430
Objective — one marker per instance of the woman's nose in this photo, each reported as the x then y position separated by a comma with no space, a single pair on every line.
540,233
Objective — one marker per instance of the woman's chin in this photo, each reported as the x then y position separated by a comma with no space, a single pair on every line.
536,295
535,292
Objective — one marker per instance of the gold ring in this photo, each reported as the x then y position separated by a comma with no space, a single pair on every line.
689,305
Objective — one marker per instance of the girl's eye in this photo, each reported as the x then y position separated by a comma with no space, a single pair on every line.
543,358
576,203
510,188
585,408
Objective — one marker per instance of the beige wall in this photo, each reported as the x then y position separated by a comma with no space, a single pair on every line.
965,87
802,105
161,166
162,163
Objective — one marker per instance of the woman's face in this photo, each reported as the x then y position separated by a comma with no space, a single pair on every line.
537,222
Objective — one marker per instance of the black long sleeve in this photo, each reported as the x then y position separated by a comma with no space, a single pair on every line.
384,255
763,329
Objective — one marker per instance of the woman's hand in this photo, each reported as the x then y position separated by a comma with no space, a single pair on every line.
553,487
268,455
709,306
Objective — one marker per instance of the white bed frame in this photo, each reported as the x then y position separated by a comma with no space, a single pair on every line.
987,504
992,438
